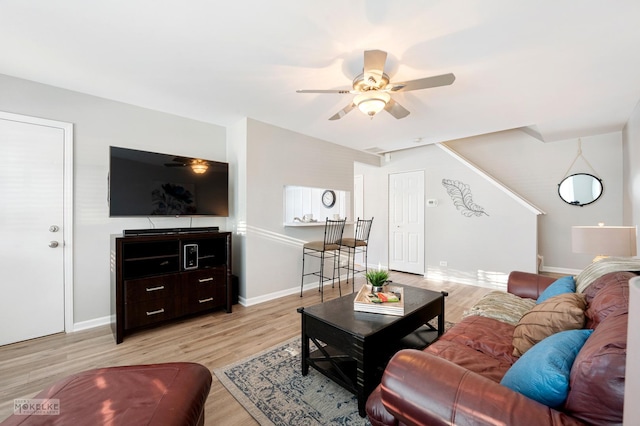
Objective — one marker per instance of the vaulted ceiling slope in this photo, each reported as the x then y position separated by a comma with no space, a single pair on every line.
561,68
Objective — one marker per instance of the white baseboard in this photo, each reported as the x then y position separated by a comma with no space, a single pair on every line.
96,322
267,297
496,281
271,296
555,270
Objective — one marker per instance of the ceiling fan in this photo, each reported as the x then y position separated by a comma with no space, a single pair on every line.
373,88
198,166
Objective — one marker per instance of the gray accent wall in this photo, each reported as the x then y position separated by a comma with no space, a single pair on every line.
99,123
274,158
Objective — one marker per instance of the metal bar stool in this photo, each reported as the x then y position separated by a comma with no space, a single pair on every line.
358,244
328,248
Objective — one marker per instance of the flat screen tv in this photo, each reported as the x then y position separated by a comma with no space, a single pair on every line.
145,183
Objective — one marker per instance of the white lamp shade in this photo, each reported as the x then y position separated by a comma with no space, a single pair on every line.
371,102
604,240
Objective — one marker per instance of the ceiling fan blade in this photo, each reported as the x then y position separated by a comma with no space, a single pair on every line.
423,83
182,159
342,91
175,165
395,109
374,61
344,111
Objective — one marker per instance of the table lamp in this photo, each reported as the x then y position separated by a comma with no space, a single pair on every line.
604,241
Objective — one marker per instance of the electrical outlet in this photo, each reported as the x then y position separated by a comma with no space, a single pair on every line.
443,263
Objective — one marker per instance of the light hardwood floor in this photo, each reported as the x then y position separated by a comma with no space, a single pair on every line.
214,340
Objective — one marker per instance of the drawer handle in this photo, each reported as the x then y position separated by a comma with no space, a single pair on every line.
204,280
205,300
159,311
160,287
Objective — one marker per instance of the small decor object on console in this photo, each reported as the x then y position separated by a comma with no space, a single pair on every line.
390,302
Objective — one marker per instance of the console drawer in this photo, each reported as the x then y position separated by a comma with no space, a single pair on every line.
205,276
153,288
206,289
149,312
207,297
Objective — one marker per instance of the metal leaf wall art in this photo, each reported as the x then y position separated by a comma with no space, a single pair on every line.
460,194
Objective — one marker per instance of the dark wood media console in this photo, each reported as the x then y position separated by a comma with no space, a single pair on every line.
156,278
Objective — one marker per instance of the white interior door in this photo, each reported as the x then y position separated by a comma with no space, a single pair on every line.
406,222
32,223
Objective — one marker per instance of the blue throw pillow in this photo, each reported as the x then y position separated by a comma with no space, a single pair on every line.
561,285
542,373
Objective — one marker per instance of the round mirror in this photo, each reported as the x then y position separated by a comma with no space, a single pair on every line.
580,189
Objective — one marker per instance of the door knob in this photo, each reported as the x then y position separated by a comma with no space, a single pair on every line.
53,228
53,244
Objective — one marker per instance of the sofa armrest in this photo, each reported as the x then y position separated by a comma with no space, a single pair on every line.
420,388
525,284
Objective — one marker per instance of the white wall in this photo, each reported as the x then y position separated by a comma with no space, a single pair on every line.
631,170
237,223
99,123
487,247
534,169
631,215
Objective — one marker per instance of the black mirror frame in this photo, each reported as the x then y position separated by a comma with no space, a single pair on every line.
575,203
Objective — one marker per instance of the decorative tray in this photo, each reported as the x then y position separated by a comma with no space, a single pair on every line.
389,302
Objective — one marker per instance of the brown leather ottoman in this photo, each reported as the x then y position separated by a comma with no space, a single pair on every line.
158,394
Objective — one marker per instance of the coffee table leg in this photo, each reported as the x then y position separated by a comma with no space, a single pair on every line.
363,377
305,344
362,396
441,316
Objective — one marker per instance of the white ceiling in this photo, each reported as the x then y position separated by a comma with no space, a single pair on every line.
563,68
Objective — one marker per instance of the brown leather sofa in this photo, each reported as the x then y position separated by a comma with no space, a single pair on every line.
456,380
171,394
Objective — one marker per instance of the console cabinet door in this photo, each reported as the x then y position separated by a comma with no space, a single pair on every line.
206,288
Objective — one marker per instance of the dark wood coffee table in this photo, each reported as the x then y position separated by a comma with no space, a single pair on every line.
355,347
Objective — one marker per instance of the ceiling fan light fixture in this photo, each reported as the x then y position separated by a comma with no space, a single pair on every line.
199,166
372,102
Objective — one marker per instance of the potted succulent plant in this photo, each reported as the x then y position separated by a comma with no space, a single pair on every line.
377,279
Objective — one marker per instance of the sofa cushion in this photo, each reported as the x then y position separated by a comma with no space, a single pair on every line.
542,374
560,286
559,313
605,295
598,373
480,344
501,306
605,266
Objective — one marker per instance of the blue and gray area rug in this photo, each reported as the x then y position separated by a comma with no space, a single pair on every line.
270,386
